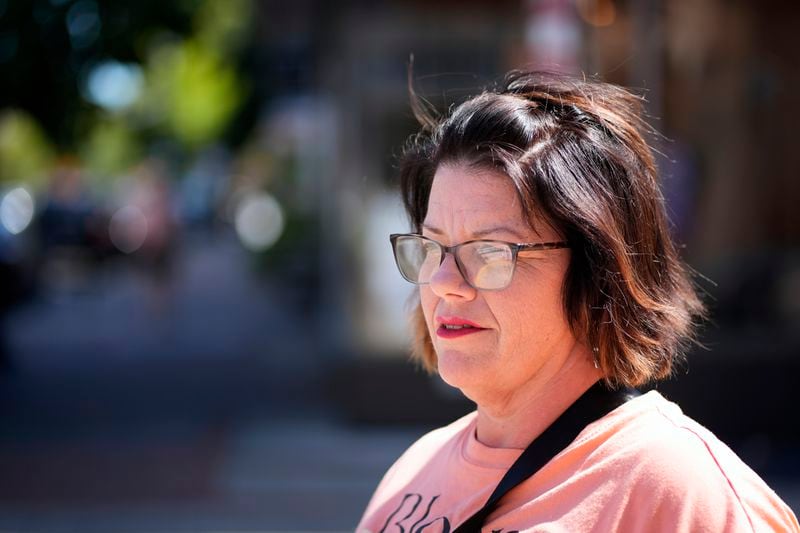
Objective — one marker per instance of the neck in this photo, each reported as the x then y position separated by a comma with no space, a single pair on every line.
519,418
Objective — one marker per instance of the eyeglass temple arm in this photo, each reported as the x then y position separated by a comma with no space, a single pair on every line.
543,246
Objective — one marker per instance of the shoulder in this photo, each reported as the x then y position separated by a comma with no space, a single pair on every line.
682,472
433,442
430,449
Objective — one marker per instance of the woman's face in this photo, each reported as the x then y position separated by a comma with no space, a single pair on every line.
523,337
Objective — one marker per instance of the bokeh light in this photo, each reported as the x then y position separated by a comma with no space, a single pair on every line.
16,210
114,85
128,229
259,221
599,13
83,23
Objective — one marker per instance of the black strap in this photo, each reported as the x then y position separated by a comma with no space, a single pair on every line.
592,405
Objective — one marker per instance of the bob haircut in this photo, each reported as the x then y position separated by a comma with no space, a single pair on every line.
575,153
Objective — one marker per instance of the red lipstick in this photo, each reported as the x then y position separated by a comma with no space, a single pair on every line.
452,327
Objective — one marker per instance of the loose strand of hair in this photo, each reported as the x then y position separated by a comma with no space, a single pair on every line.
423,110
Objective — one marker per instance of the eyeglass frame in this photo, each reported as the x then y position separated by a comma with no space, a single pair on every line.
515,249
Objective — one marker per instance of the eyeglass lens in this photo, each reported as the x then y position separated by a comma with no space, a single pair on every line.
485,264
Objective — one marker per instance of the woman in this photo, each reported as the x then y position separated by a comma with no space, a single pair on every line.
548,280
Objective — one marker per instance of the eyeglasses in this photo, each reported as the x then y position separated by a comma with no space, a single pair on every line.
486,265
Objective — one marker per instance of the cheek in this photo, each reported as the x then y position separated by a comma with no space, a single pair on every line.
515,320
531,316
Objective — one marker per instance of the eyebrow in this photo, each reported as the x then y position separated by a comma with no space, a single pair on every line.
482,232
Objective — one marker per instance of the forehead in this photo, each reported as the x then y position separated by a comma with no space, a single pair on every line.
472,198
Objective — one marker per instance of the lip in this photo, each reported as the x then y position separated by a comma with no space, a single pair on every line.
444,333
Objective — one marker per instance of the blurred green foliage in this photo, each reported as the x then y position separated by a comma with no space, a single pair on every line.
189,51
110,148
224,26
192,91
25,152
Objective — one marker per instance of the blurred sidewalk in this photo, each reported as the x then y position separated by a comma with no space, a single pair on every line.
193,405
272,475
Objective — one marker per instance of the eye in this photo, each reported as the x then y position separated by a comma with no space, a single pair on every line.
488,252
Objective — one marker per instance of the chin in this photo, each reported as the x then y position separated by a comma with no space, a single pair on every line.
460,370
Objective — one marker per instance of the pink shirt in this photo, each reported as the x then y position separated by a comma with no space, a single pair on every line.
643,467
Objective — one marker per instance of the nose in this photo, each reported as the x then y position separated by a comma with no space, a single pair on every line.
448,282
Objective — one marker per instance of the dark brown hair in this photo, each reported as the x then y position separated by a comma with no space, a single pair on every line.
574,150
